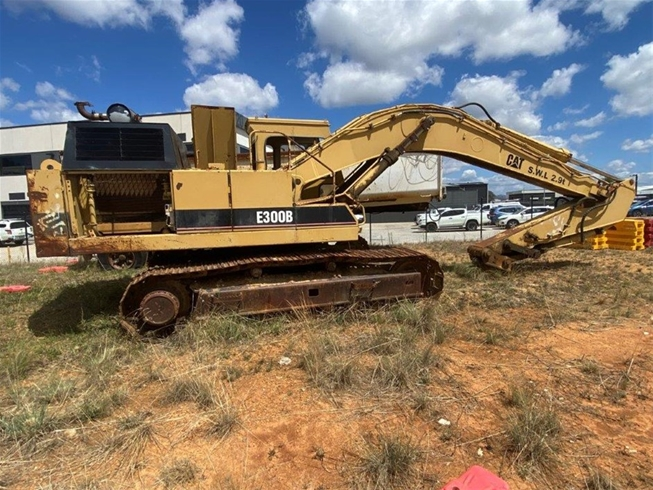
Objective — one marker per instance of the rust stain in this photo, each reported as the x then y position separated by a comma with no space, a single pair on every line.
37,196
51,247
105,245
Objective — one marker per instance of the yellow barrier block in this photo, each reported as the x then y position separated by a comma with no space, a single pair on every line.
598,242
626,241
628,224
624,236
626,247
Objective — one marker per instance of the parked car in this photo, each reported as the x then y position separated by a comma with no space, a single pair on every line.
431,215
643,208
512,220
488,206
456,218
13,231
496,212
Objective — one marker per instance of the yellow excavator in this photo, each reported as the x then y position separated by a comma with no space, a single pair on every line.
281,232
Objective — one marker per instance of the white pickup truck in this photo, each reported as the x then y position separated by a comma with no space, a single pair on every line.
455,218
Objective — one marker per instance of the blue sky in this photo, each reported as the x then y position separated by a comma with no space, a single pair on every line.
573,73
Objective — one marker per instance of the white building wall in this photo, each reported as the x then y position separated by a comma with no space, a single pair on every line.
29,139
11,184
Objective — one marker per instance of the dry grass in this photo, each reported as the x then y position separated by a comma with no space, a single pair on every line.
596,480
179,474
190,389
532,368
133,434
533,437
386,461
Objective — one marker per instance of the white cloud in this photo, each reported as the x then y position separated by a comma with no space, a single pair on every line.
23,66
579,139
233,90
374,38
559,126
591,122
502,98
348,83
614,12
5,123
53,104
469,175
560,81
210,35
451,165
630,76
501,185
101,13
574,112
639,146
555,141
10,85
54,112
621,168
48,91
173,9
93,69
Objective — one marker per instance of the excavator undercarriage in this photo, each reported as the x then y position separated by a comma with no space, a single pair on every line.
274,281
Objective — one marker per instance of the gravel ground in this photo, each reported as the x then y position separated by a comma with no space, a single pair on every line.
396,233
381,234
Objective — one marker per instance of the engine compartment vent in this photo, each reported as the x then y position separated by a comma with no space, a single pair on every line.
122,144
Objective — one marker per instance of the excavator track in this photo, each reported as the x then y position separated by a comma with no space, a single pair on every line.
160,296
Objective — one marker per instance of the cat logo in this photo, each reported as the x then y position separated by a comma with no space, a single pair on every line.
514,161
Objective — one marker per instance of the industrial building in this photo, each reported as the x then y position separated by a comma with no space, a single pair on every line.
534,197
25,147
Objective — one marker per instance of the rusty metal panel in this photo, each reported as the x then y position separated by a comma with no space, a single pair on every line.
50,220
267,298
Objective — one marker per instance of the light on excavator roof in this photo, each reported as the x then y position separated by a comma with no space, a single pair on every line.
122,113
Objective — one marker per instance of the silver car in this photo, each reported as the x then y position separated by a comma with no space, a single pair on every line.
14,231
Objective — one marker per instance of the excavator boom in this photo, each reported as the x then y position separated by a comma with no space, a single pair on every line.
593,201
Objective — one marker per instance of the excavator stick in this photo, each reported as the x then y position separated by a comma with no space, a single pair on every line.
571,223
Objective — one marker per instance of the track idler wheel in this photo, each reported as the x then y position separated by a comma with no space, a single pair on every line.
432,275
156,307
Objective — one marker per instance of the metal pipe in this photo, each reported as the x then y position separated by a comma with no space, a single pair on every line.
389,157
91,116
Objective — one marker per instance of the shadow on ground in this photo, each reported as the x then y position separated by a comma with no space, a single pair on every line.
76,305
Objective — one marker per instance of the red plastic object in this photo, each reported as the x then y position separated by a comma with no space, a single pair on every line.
14,288
477,478
54,268
648,232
